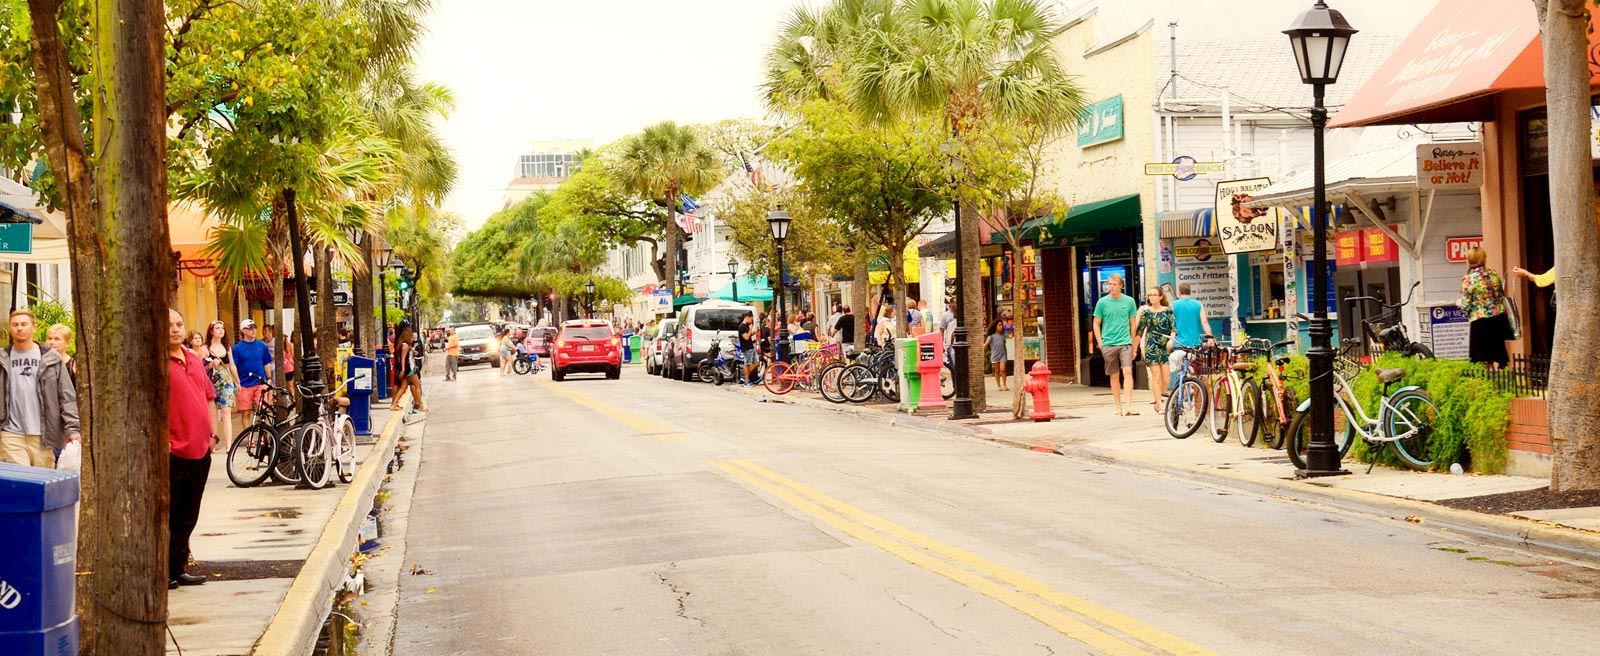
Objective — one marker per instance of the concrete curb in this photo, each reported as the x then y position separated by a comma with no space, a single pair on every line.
1539,536
892,418
294,628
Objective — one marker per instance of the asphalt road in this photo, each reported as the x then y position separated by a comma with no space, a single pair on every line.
644,516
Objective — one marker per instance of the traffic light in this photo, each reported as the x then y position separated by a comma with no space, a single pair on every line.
405,284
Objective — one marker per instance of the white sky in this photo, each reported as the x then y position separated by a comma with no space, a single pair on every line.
526,70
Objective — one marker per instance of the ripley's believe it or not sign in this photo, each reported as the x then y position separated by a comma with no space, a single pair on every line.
1243,229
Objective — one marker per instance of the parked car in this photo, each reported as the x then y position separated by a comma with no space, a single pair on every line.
478,345
655,345
700,326
587,346
543,338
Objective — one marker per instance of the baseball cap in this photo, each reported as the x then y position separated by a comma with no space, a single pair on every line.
247,323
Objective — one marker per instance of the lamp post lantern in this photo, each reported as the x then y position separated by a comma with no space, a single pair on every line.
1319,38
733,271
588,289
778,222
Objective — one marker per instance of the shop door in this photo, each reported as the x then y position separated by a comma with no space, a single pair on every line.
1098,265
1538,255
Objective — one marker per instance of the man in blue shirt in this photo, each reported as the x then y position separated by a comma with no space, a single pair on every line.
253,358
1115,322
1190,327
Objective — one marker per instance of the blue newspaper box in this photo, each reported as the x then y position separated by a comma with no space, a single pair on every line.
38,535
362,372
627,347
380,389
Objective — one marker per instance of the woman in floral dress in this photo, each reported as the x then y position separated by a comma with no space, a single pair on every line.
1483,298
218,354
1155,331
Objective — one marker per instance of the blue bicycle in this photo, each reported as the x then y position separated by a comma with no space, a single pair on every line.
1188,402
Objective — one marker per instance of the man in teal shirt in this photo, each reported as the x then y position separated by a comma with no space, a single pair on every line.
1115,315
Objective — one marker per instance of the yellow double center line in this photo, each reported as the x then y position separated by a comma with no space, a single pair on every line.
632,420
1100,628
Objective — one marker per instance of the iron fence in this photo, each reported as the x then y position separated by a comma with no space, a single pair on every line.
1525,377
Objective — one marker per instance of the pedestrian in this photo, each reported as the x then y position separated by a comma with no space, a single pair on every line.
844,327
37,397
191,430
452,354
410,363
288,355
1483,297
252,361
224,379
883,333
925,318
997,353
1115,320
508,349
59,337
747,348
1155,329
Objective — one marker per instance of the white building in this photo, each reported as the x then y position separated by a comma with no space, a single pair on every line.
544,167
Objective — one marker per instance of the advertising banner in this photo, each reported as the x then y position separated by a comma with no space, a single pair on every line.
1242,229
1450,165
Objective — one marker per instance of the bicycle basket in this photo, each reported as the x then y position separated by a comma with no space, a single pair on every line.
1348,366
1209,361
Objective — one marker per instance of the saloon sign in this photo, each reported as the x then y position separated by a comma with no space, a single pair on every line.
1244,229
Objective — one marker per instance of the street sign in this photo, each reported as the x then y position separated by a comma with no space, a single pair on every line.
339,297
661,301
1456,248
16,238
1450,331
1184,168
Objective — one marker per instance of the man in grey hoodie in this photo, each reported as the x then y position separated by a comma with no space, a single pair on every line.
38,405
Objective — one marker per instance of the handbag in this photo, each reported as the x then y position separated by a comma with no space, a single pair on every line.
1513,320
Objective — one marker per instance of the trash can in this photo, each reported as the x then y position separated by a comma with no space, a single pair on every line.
627,348
38,534
360,371
636,345
905,362
380,371
930,362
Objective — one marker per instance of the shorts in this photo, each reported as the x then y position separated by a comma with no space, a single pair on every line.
749,356
26,450
1117,358
250,397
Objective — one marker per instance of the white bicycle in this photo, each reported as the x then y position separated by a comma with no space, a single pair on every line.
327,446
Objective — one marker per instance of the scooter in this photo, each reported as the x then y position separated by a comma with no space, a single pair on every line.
719,366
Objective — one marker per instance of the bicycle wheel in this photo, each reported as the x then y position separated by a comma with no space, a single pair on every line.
857,384
1249,413
889,382
707,373
1186,408
1222,403
1413,412
314,456
344,457
778,380
285,467
1299,442
1275,423
828,383
521,366
251,455
1422,351
947,383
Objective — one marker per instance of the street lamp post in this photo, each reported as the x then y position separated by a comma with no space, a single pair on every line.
1319,38
733,270
778,221
588,289
961,405
381,257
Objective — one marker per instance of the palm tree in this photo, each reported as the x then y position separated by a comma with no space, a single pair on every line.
966,61
663,163
806,63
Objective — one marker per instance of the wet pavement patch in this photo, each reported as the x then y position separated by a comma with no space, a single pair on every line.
1539,499
247,570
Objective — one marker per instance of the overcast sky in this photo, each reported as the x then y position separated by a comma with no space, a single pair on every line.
526,70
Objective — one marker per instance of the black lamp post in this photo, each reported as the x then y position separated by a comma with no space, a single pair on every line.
733,270
961,405
381,257
588,288
778,221
1319,38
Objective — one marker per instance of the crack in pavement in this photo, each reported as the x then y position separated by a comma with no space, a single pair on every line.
681,595
1048,650
930,620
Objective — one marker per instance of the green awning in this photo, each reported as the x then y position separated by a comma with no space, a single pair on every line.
686,299
750,289
1081,219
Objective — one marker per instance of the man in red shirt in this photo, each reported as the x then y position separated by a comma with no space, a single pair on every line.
190,431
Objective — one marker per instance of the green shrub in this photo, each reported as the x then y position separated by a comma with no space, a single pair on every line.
1472,413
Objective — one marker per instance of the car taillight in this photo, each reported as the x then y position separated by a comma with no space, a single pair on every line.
561,343
616,341
688,334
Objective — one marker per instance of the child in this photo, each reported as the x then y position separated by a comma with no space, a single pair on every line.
997,353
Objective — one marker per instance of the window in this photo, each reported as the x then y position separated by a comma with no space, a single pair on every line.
719,319
586,332
1267,274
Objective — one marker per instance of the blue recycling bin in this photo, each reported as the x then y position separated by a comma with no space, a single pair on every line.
38,535
627,348
361,371
380,385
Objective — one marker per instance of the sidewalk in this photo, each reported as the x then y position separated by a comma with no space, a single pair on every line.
1087,426
257,543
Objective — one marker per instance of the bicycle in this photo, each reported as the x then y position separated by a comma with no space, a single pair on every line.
262,449
328,443
1388,332
1404,422
1188,402
1233,398
1277,399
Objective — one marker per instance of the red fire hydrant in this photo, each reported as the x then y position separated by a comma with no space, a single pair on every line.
1039,386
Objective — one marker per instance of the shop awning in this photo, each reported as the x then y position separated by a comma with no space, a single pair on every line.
1450,67
750,289
1080,219
686,299
1186,224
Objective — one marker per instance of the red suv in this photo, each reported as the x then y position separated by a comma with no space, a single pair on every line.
587,346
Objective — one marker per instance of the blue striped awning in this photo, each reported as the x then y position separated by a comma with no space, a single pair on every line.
1187,224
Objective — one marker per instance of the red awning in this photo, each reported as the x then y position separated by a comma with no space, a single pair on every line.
1451,66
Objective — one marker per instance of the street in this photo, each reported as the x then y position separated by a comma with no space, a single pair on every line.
645,516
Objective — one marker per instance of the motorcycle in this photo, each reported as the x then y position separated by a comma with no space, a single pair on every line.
721,364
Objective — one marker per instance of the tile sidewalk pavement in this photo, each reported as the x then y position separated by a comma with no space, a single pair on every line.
237,525
1086,425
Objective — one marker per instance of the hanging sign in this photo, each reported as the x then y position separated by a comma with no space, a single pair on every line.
1377,247
16,238
1450,165
1184,168
1456,248
1243,229
1347,248
1200,251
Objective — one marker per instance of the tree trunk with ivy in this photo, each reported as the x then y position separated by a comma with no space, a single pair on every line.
327,322
1019,401
858,301
361,299
1574,391
971,289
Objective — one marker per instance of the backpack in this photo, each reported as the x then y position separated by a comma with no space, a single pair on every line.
417,356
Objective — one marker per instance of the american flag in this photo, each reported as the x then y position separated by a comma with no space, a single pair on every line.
688,217
754,173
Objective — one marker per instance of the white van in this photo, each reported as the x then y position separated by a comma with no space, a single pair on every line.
700,326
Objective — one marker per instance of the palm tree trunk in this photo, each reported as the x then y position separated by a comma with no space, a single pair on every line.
121,264
361,291
327,324
858,301
674,245
971,291
275,279
1574,391
1018,400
